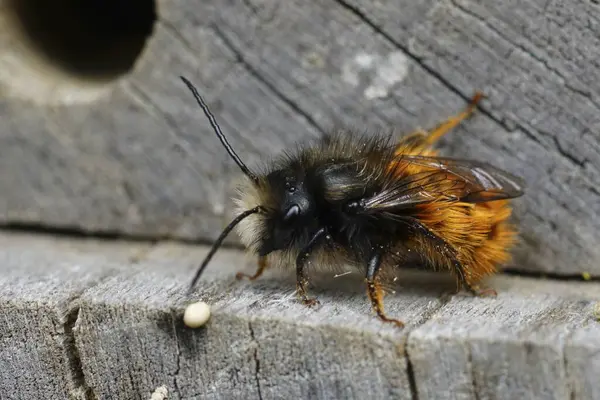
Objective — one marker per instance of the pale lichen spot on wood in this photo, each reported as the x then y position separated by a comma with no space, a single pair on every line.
351,70
313,59
392,70
379,73
365,60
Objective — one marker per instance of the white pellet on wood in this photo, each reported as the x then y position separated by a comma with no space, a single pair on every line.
196,314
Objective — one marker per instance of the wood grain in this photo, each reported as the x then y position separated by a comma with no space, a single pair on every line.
123,335
142,160
40,283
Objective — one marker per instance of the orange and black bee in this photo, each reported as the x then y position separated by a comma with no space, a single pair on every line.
374,203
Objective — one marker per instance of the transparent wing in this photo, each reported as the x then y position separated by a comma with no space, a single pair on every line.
442,179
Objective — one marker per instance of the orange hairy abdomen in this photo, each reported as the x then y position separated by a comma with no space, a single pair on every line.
480,233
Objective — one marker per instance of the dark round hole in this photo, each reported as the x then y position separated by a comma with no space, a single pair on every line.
95,39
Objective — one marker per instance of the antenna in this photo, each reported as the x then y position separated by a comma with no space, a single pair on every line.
219,241
217,129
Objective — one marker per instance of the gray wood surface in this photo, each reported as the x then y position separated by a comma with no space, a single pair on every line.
102,320
40,283
142,160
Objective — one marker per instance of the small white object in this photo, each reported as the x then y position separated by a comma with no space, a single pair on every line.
160,393
196,314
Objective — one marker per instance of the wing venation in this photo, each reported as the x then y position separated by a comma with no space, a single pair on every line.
442,179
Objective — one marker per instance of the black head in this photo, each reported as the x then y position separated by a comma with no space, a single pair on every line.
291,212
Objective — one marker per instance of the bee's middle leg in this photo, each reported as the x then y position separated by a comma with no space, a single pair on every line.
374,290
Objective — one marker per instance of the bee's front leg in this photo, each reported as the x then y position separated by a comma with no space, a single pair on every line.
262,265
301,260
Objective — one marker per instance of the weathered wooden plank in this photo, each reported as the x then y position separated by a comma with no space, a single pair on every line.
259,343
513,346
582,359
40,281
143,161
103,320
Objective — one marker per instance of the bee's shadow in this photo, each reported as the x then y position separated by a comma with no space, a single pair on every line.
414,282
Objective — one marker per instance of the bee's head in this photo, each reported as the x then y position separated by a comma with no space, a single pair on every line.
289,209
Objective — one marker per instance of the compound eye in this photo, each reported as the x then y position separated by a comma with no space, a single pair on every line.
290,187
291,212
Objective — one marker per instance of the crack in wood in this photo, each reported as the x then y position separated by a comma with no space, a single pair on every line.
410,372
77,233
268,85
565,365
428,315
74,231
579,277
474,384
72,352
174,318
256,360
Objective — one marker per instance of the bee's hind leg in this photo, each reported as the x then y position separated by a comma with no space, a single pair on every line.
478,291
374,290
469,286
419,142
262,265
435,134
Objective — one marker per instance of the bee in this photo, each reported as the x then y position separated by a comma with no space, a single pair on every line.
374,203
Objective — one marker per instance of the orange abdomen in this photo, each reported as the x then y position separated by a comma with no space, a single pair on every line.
480,233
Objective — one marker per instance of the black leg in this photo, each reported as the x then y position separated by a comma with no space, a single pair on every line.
459,270
303,256
449,253
374,290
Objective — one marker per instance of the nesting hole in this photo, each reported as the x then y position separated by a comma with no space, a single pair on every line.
91,42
